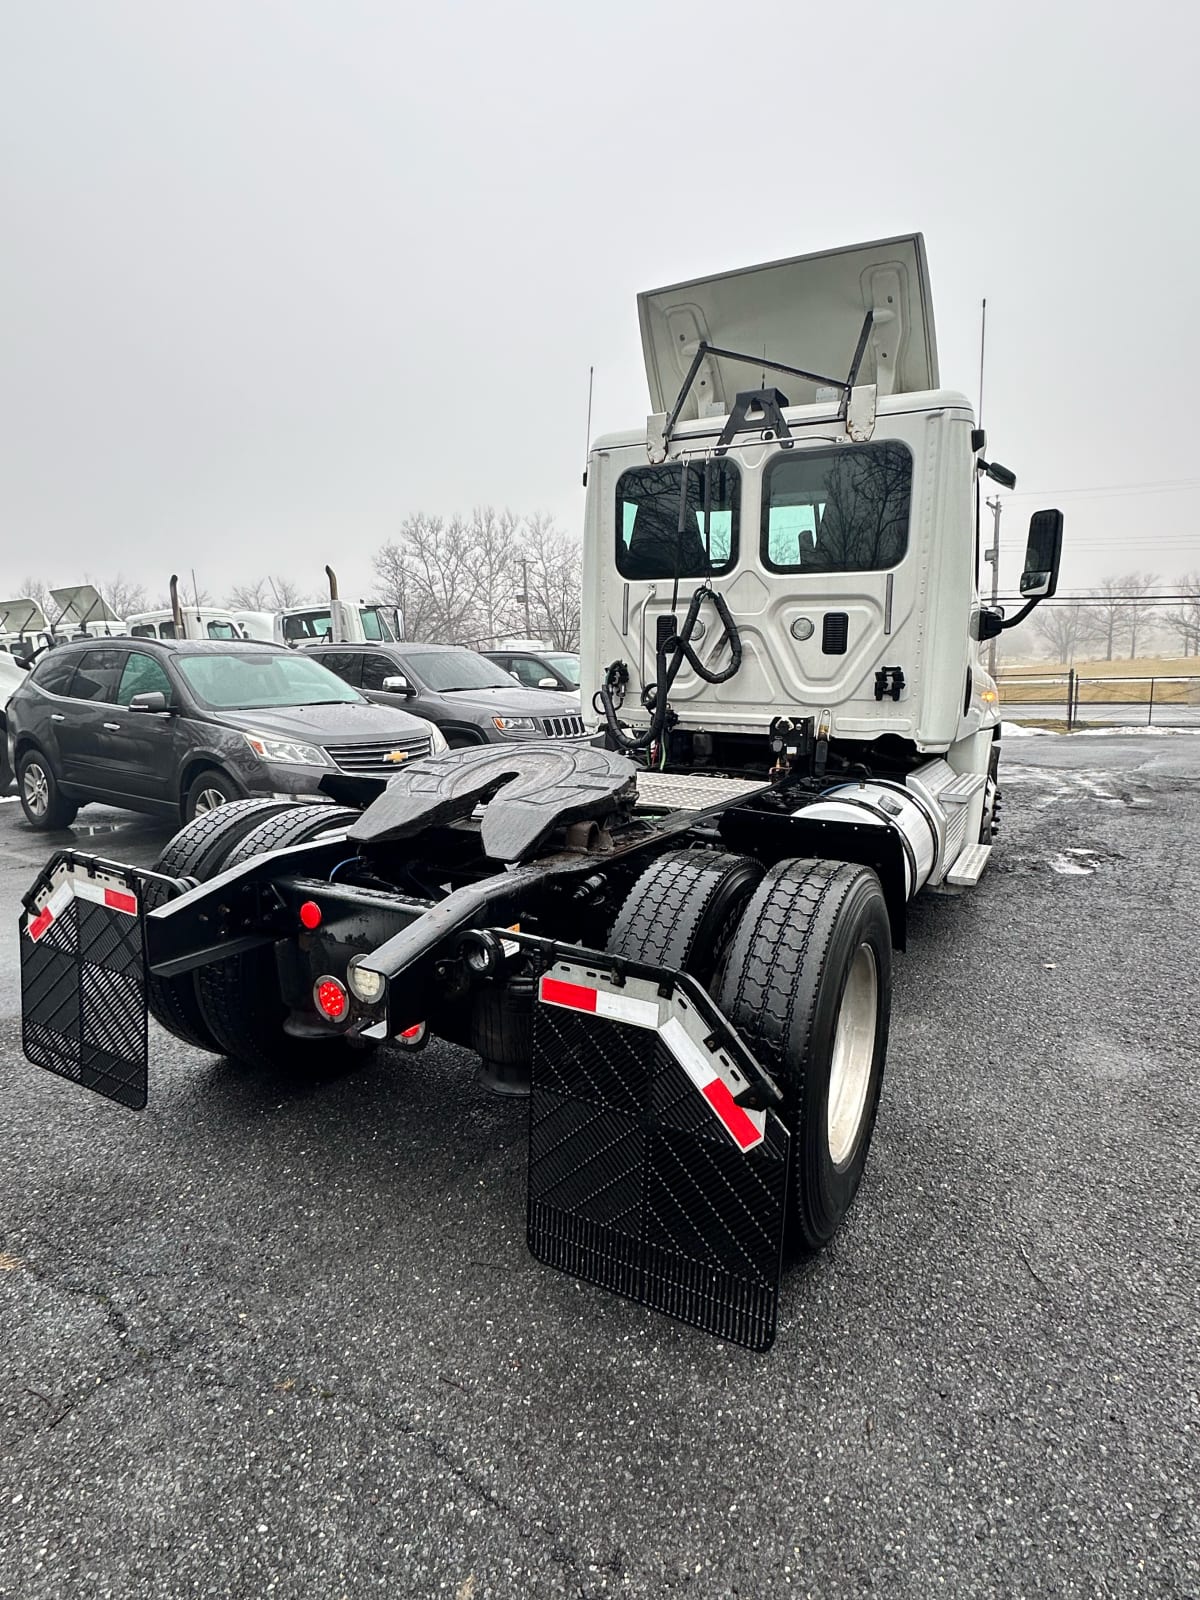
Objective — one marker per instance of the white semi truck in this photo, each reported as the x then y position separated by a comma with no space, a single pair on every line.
336,621
678,941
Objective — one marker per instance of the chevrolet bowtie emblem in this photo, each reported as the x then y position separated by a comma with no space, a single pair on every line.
396,756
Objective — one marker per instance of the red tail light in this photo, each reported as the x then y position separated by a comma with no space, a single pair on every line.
331,998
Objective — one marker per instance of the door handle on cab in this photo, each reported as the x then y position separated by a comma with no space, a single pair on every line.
57,716
113,727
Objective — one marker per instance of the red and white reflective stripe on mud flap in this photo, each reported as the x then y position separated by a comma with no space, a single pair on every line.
615,1007
79,889
746,1128
58,902
114,899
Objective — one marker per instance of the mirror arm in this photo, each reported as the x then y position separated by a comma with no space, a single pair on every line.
1012,622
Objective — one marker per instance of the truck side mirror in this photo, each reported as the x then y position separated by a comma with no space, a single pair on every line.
1004,476
398,684
1043,553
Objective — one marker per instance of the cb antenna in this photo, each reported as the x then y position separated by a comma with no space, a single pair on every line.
588,441
979,422
982,348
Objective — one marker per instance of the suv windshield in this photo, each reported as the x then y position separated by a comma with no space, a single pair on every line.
446,671
230,681
568,666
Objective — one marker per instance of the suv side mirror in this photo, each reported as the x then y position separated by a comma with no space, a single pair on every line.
398,684
1039,578
547,683
152,700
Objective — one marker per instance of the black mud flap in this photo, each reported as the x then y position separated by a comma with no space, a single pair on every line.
656,1167
83,984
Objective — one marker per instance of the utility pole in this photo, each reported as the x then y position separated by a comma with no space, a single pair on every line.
525,596
995,506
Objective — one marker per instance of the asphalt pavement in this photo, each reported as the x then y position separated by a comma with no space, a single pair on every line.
284,1339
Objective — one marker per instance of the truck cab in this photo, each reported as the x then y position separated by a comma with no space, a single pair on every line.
823,484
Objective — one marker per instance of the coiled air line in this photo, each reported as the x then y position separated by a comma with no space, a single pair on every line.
672,653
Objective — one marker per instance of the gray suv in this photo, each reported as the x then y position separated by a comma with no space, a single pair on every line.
471,699
176,727
539,669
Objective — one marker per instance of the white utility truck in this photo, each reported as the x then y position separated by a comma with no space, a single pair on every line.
677,941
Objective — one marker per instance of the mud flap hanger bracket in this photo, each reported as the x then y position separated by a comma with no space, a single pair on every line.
761,1091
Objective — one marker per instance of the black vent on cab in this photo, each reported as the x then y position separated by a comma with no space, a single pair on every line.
835,631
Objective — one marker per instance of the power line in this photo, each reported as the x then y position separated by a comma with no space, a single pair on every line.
1112,490
1097,602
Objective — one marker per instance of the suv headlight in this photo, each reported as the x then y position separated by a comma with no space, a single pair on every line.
288,752
515,724
437,739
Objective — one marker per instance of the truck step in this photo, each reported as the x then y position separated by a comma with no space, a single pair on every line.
962,788
689,791
968,866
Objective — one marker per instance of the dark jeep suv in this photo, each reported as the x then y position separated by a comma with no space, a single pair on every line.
176,727
471,699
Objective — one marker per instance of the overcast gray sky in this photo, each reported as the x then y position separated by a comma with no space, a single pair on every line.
276,273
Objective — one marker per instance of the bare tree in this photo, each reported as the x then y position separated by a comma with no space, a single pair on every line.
494,541
1064,628
1120,605
1139,608
272,593
1185,620
431,573
1107,611
481,579
248,596
285,592
552,565
125,597
36,589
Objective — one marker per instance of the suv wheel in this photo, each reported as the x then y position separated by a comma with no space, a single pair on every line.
45,807
205,793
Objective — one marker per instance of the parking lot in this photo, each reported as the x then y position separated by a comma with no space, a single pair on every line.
279,1338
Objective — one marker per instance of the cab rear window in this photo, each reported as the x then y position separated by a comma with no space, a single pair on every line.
842,510
649,543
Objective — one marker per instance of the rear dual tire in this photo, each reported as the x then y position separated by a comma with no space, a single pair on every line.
240,998
808,984
799,960
199,851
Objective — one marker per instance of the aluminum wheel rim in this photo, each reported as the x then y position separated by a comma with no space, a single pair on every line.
853,1054
209,800
37,789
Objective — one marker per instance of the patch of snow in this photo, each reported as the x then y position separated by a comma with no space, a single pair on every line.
1070,869
1132,730
1018,730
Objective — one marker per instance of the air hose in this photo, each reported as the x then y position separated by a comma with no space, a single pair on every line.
672,653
